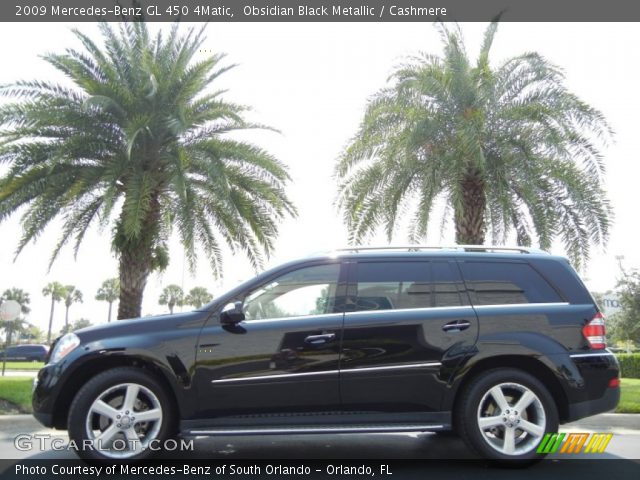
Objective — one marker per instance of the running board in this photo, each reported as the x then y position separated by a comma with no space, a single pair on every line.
315,429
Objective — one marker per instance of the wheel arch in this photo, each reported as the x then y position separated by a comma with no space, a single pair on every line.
532,366
95,366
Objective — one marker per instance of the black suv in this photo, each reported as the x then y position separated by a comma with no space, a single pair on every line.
501,345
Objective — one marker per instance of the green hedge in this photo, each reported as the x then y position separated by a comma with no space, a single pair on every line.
629,364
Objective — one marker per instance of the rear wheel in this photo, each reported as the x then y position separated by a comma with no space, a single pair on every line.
124,413
504,415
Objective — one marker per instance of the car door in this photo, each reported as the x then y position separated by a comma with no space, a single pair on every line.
284,357
408,325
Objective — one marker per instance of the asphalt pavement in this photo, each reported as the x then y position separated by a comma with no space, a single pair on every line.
625,443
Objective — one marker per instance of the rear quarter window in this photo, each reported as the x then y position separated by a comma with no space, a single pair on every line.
398,285
506,283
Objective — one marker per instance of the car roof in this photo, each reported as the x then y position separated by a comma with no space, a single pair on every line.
427,251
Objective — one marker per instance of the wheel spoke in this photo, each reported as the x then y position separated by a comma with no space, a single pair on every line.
133,440
527,397
103,408
498,396
130,397
106,436
488,422
148,415
509,445
532,428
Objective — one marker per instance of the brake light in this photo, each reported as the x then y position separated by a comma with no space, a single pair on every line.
614,382
594,332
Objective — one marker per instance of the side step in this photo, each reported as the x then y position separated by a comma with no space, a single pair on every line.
314,429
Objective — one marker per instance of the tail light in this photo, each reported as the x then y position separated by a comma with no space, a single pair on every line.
594,332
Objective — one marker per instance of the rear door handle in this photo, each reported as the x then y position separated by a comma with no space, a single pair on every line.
456,326
320,339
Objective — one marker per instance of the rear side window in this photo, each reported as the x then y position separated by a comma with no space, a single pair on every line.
503,283
402,285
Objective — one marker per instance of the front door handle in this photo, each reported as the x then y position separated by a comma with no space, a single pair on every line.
320,339
456,326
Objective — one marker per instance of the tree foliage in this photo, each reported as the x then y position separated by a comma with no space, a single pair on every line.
504,149
197,297
139,143
171,296
625,325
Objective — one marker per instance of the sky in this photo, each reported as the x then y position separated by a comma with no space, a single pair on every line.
311,82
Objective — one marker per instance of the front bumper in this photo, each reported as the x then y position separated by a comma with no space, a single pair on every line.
45,389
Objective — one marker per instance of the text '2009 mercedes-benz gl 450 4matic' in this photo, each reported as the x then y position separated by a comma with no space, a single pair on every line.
501,345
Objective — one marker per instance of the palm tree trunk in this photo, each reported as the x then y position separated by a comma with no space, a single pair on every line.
136,263
53,303
134,270
66,319
109,316
470,226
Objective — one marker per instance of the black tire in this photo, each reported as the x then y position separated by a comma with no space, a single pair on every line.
115,384
477,404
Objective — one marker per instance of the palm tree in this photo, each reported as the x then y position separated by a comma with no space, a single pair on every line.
504,148
109,292
18,295
17,325
57,293
172,295
197,297
139,142
72,295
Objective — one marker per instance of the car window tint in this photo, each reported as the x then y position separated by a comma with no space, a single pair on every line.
445,285
499,283
393,285
306,291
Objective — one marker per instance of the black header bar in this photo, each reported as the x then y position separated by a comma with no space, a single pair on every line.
320,10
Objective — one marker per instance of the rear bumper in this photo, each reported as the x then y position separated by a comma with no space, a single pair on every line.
591,393
609,401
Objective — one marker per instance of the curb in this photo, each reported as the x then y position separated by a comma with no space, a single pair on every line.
629,421
23,417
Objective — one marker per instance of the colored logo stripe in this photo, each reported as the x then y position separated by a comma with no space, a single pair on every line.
574,442
550,443
598,442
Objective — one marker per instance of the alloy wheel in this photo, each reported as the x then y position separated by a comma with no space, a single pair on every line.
123,420
511,419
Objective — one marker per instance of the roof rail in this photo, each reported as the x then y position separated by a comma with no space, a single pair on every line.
459,248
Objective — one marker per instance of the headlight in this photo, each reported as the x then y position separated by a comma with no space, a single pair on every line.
64,347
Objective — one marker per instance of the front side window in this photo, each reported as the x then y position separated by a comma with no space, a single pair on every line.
502,283
306,291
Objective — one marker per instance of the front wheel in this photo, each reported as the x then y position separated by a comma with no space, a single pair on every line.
505,413
123,413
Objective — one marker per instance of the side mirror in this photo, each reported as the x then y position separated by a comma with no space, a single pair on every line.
232,313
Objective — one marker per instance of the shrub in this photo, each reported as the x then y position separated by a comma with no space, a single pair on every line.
629,364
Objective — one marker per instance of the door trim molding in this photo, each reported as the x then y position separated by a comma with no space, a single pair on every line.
329,372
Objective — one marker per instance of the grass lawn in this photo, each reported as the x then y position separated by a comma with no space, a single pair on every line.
16,390
630,396
23,365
